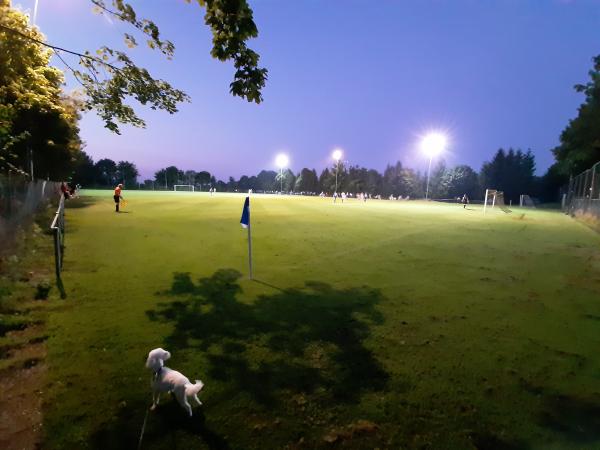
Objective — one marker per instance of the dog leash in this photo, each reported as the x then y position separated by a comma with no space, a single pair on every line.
143,429
154,377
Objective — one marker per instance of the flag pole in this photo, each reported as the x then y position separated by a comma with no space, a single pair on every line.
245,221
249,245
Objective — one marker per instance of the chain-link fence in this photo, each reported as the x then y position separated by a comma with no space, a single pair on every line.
582,195
20,199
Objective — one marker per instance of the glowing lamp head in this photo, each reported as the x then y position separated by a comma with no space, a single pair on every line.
337,154
282,161
433,144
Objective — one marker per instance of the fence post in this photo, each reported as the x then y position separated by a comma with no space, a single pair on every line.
591,188
57,252
58,230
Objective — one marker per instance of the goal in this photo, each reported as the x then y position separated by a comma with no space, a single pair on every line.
493,199
183,187
527,201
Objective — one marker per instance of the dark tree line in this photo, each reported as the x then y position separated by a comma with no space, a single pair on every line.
511,171
579,147
103,173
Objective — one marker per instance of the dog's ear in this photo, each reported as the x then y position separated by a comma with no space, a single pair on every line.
199,382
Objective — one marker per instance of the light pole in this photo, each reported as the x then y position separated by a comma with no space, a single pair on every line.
432,145
282,161
337,155
35,10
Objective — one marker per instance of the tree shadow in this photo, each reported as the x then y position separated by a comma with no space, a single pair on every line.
162,426
294,341
578,419
80,202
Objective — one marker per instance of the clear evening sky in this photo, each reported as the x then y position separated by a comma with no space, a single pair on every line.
367,76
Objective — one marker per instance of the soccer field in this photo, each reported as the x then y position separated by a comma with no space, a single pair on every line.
377,325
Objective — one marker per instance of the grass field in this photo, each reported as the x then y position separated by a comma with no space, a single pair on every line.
377,325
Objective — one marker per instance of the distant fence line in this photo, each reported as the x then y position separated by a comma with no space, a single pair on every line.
582,195
20,199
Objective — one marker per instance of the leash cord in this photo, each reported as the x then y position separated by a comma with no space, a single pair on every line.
143,429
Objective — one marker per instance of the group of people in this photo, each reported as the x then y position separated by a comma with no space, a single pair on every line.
68,191
464,200
363,196
391,197
118,195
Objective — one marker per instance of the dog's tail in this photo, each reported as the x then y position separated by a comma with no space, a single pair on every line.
193,389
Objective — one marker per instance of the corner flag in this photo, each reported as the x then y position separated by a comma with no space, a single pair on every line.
245,220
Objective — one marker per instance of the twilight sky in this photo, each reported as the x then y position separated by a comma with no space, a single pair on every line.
368,76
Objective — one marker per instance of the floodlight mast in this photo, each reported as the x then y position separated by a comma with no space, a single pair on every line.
337,155
432,145
282,161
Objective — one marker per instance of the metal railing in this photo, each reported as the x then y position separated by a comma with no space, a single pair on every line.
582,195
58,231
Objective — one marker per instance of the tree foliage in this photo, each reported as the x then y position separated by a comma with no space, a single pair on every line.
36,121
106,172
461,180
127,173
511,172
169,176
110,79
579,145
307,181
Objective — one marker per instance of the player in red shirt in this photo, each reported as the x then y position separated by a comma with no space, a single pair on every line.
118,196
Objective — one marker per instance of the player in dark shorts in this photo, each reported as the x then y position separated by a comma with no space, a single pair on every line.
117,196
465,201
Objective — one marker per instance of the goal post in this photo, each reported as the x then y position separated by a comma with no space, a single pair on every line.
183,187
494,198
526,201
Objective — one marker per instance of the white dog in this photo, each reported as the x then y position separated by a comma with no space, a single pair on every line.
156,359
168,380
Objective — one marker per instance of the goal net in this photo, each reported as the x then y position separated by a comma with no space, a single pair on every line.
183,187
494,199
527,201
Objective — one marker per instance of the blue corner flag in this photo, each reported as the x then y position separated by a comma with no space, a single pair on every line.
245,220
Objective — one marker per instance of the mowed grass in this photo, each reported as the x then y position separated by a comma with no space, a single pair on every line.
377,325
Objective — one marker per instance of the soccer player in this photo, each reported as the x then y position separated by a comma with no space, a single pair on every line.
465,201
118,196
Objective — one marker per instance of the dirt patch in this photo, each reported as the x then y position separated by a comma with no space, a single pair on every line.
21,391
23,337
590,220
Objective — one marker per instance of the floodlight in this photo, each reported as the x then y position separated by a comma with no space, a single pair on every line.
433,144
337,154
282,160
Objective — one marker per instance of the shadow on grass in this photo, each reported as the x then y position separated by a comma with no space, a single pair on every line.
577,419
161,430
294,341
80,202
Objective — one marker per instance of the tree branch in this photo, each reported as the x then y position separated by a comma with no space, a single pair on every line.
56,48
